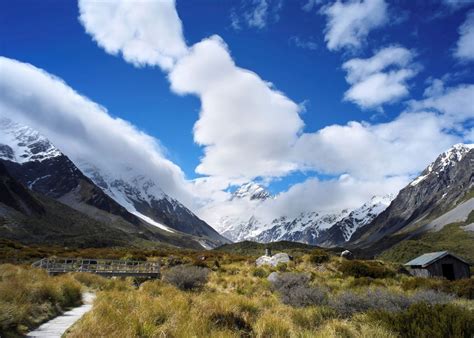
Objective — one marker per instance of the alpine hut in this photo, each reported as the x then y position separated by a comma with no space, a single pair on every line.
439,264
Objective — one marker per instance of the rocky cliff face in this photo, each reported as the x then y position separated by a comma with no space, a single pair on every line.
440,187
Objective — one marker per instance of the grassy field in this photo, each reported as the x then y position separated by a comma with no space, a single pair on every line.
226,295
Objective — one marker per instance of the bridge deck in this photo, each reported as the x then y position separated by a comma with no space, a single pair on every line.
104,267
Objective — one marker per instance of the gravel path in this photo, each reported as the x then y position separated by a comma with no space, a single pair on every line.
56,327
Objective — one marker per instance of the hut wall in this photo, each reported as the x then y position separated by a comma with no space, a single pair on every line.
460,269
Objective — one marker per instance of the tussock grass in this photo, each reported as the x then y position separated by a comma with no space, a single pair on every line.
313,297
29,296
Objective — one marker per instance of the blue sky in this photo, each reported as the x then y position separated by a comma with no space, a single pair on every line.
287,48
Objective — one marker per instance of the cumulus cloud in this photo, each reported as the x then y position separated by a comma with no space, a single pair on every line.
144,33
83,129
465,45
349,23
455,104
397,148
256,13
381,78
246,126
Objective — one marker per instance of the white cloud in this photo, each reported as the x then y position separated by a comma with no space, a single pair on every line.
310,4
144,32
455,104
381,78
256,13
245,125
302,43
465,45
344,192
401,147
83,129
456,4
349,23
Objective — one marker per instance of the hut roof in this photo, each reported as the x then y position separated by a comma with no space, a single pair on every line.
428,258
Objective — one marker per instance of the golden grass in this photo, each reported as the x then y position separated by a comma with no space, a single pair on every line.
29,296
235,302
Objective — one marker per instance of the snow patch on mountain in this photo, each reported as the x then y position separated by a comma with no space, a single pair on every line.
127,191
365,214
22,144
445,160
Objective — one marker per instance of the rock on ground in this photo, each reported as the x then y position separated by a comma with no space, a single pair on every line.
273,260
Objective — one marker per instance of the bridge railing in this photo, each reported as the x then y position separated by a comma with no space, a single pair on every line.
98,266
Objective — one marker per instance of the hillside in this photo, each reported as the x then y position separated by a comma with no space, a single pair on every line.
457,238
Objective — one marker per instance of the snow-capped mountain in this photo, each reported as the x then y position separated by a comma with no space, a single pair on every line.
443,185
444,161
22,144
343,230
306,228
312,227
144,198
251,191
38,164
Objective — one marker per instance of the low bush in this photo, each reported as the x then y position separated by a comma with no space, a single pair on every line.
348,303
431,297
232,322
319,256
260,273
187,277
372,269
282,267
425,320
461,288
365,281
295,290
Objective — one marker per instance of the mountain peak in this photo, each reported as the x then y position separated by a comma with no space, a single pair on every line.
251,191
19,143
445,160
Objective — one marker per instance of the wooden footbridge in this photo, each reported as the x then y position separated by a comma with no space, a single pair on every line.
103,267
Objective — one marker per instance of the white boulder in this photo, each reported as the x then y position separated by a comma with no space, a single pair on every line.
273,260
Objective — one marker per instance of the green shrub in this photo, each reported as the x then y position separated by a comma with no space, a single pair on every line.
462,288
319,256
260,273
372,269
187,277
282,267
365,281
424,320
